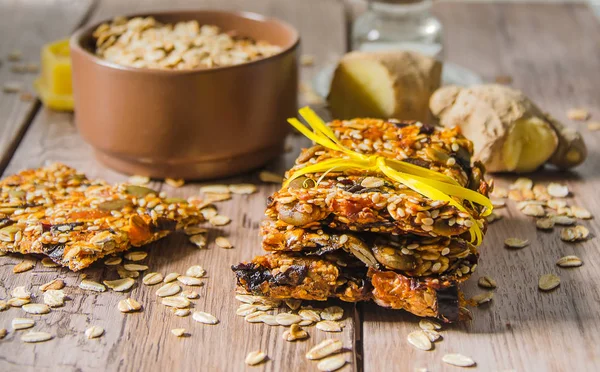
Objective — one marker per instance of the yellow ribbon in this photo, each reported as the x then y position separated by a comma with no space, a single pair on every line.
434,185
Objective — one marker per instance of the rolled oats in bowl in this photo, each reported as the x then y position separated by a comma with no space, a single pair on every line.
146,43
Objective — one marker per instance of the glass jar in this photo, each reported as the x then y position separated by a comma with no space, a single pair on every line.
398,25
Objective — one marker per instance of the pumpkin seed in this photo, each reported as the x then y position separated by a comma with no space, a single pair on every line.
219,220
114,204
139,191
243,188
483,298
558,190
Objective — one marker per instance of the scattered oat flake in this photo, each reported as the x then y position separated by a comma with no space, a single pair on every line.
580,212
429,324
558,190
419,340
270,177
152,278
94,332
120,285
20,292
545,223
255,357
139,180
171,277
329,326
3,333
12,87
176,301
128,305
458,360
14,55
309,314
573,234
332,363
548,282
499,192
223,242
136,255
36,309
307,60
195,230
594,126
521,183
174,182
113,261
190,280
578,113
92,286
23,266
242,188
214,197
36,337
569,261
516,242
198,240
287,319
332,313
498,203
563,220
534,210
22,323
324,349
169,289
206,318
433,335
556,203
189,294
54,297
487,282
219,220
17,302
135,267
217,189
181,312
179,332
483,298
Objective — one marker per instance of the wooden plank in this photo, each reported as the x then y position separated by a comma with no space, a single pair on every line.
143,341
551,51
26,26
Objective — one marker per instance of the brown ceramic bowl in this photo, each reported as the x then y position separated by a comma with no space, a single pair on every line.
194,124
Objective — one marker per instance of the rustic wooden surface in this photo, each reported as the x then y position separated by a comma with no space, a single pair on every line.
551,51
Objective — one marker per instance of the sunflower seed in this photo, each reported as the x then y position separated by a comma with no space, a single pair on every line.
548,282
206,318
152,278
195,271
54,297
92,286
169,289
113,261
483,298
557,190
286,319
563,220
580,212
47,262
458,360
139,180
270,177
135,267
179,332
293,304
17,302
223,242
53,284
180,312
120,285
22,323
176,301
128,305
516,243
294,333
242,188
324,349
171,277
545,223
136,255
21,292
309,314
329,326
36,337
569,261
198,240
332,313
419,340
194,230
573,234
429,324
23,266
332,363
94,332
188,280
174,182
36,309
486,282
432,334
255,357
534,210
189,294
219,220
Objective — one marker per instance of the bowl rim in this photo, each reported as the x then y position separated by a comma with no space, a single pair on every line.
77,36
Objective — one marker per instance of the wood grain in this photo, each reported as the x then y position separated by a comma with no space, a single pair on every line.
26,26
552,53
143,341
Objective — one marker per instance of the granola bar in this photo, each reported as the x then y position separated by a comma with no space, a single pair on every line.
58,212
363,201
409,254
287,275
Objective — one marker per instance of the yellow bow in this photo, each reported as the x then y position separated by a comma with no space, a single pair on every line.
434,185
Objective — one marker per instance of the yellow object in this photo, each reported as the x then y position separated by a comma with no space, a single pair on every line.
54,85
431,184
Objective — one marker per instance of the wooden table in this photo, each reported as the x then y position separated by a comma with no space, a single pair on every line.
551,51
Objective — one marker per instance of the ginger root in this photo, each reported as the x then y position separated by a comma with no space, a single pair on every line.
384,85
509,132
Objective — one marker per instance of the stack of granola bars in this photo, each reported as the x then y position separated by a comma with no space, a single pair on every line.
358,235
